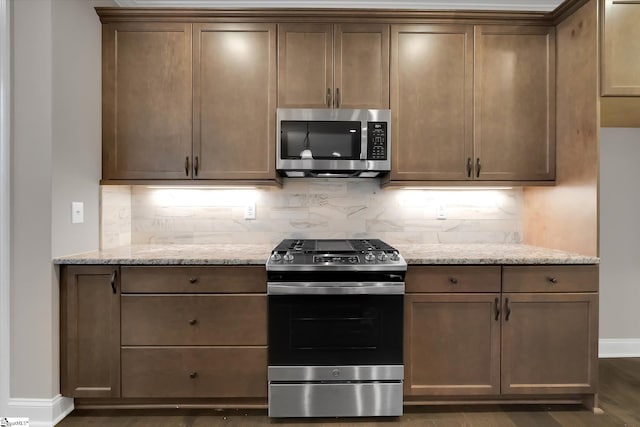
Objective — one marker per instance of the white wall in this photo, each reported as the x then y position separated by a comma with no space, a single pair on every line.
620,240
55,146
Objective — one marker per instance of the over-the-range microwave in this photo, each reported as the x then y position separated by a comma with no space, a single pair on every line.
327,142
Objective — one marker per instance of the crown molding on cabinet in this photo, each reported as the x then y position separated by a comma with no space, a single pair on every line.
510,5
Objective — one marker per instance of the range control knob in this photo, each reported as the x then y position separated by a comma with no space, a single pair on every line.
288,257
395,256
382,256
369,257
276,257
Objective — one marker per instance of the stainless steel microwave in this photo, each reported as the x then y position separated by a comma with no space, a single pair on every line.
327,142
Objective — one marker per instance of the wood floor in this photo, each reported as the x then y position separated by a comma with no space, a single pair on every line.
619,399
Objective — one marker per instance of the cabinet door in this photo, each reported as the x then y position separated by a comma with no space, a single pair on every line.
146,101
452,344
514,103
234,101
361,61
549,343
90,331
305,66
621,48
431,102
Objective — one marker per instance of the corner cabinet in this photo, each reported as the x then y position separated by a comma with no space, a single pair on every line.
501,332
448,124
188,101
620,44
333,66
90,331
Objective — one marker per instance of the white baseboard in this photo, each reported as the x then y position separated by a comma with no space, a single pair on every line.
41,412
619,348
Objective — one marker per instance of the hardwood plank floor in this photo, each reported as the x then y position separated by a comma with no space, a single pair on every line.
619,399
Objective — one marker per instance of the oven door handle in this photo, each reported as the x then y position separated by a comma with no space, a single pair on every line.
335,288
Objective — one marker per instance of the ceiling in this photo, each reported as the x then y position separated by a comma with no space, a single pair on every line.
513,5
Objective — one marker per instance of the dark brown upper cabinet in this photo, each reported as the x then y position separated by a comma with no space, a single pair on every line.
146,101
189,101
472,103
333,65
234,101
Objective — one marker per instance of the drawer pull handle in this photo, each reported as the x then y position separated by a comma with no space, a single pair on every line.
193,280
507,310
552,280
193,375
193,321
453,280
113,280
497,303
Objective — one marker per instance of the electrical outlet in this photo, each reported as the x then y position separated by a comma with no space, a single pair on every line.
250,211
77,212
441,212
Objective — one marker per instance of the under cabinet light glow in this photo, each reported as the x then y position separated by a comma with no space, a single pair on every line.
204,197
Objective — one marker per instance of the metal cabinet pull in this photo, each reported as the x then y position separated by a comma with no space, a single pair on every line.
193,375
328,97
186,165
196,165
478,167
469,167
113,280
453,280
193,280
337,97
552,280
507,310
497,305
193,321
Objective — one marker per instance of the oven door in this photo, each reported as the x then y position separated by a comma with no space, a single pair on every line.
335,330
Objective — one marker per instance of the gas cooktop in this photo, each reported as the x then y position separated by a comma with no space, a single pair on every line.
335,254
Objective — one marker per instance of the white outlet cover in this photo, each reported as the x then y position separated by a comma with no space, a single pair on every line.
77,212
250,211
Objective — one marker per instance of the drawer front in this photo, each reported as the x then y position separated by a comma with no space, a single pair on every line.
219,279
194,320
550,278
453,279
194,372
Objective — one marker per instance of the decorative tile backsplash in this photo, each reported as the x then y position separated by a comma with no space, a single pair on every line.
309,208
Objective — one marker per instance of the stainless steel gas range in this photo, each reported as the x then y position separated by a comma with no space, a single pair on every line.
335,328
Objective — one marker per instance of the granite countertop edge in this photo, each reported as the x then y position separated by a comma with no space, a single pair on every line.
418,254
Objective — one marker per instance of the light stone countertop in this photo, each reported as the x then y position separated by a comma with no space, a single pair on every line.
221,254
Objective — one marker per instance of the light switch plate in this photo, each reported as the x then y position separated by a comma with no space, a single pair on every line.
77,212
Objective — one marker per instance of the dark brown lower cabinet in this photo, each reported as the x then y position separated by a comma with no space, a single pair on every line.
90,331
550,343
452,344
537,338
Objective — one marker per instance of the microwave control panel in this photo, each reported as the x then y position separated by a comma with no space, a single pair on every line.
376,141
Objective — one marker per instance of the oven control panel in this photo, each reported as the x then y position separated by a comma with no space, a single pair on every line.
339,259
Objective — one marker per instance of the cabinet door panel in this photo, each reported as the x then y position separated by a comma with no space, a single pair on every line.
431,102
514,103
305,65
621,48
452,344
549,343
146,100
234,101
361,57
90,332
